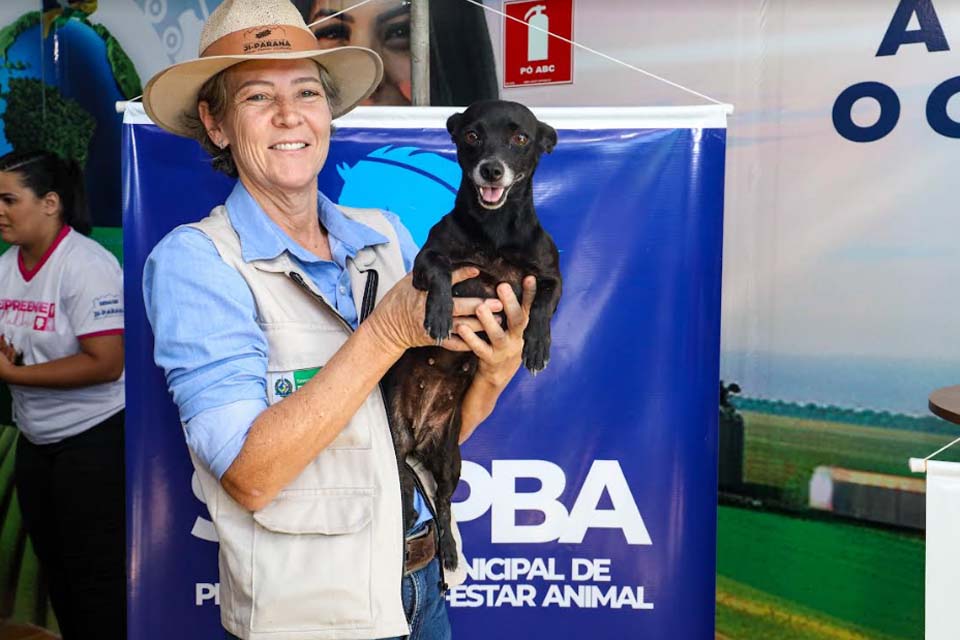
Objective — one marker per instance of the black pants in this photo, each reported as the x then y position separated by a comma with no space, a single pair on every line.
71,494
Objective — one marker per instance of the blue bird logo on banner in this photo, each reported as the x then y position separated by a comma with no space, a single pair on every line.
417,185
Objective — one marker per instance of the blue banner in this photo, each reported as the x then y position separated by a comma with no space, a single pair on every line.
588,501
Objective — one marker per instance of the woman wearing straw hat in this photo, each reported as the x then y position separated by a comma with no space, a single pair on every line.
275,318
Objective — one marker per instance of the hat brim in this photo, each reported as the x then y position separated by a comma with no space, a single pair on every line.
173,92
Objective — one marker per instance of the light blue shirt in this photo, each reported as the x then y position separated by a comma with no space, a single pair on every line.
203,315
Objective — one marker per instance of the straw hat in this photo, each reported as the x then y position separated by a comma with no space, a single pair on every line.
240,30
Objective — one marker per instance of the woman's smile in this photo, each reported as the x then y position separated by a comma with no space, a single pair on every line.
289,146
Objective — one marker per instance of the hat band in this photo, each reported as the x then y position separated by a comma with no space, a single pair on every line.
275,38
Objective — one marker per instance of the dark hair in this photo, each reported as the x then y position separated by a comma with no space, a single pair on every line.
45,171
462,66
214,93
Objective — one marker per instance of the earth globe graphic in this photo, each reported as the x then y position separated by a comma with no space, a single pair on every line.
73,60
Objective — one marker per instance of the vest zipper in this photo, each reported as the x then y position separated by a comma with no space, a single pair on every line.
369,294
297,278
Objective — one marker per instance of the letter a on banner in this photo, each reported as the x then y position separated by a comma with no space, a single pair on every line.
929,33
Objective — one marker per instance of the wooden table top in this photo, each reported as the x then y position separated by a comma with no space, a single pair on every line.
945,403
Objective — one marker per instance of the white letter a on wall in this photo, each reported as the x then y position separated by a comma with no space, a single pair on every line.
605,474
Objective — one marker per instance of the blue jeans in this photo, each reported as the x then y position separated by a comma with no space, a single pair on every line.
423,604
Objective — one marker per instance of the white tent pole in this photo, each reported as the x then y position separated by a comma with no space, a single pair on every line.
420,51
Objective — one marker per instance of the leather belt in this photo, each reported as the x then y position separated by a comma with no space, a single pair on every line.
420,550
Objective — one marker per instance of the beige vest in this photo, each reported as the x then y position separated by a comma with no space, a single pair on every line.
324,560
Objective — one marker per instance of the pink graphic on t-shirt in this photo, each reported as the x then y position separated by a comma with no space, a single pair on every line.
28,313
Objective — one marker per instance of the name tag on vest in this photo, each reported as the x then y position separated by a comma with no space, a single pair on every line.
281,384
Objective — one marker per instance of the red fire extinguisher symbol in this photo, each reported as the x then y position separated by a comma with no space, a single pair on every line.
536,42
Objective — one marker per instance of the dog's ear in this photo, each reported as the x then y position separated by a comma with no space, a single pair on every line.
453,124
546,137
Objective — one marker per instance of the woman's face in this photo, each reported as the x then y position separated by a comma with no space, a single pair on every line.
24,217
383,26
277,123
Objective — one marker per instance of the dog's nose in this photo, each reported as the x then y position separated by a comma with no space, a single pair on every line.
491,171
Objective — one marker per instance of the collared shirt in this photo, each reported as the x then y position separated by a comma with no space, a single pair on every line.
203,315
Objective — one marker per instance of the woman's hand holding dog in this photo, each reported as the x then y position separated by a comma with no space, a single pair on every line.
500,354
398,324
499,358
398,319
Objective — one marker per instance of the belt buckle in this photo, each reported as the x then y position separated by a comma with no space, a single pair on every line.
427,530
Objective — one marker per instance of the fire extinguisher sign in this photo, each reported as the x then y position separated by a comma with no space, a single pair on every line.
530,56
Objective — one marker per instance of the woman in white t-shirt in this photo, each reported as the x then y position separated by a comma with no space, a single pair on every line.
61,353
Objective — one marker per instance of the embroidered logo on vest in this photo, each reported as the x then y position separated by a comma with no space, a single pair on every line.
283,387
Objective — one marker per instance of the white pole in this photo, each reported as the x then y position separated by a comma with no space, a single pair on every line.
420,51
942,580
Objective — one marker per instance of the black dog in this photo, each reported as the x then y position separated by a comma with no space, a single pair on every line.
493,227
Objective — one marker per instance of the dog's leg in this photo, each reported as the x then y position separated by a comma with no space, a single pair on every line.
403,444
431,273
536,337
444,464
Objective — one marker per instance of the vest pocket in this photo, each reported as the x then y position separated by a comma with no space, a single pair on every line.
312,552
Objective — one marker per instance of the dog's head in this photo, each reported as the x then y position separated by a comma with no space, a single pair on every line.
498,146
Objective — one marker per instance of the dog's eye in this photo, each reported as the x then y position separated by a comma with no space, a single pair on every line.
520,139
472,137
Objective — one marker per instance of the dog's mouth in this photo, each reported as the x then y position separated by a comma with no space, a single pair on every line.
493,196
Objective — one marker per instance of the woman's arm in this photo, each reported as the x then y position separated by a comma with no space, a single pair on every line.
286,436
100,360
499,359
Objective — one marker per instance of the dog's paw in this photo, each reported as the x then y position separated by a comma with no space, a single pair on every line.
438,318
536,352
420,280
449,555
